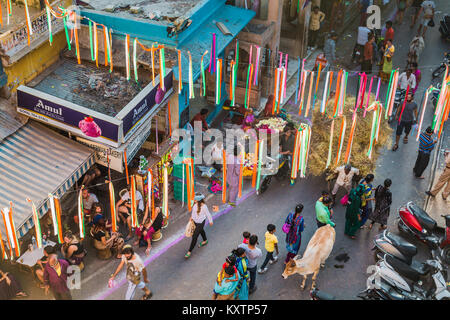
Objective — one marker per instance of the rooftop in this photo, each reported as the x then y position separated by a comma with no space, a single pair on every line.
164,11
90,87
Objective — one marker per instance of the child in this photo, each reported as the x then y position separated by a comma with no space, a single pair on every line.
246,236
271,245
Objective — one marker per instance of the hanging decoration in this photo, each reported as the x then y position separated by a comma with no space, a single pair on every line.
2,248
350,138
135,60
165,202
277,92
285,74
8,10
77,45
81,213
180,75
258,55
341,140
368,97
162,67
309,95
212,60
112,206
377,109
49,23
218,80
37,224
152,53
224,176
392,88
302,101
330,146
127,55
255,164
232,82
317,85
248,86
299,72
241,172
28,22
403,105
13,242
55,209
442,105
202,67
134,216
260,154
191,78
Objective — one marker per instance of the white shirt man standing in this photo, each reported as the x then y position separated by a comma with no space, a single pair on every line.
344,179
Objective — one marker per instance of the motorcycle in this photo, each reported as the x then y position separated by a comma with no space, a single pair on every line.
414,221
439,70
280,173
407,282
398,100
395,246
444,27
384,291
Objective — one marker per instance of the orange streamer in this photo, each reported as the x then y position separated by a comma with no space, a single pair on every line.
310,93
255,164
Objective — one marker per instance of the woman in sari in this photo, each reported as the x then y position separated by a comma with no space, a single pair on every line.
225,286
383,201
386,69
241,265
294,236
269,106
353,215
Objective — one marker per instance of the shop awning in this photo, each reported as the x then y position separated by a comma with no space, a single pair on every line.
36,161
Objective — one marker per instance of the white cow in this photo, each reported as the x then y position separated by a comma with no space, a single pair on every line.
316,253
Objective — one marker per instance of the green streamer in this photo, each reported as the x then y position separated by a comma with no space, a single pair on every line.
163,63
203,79
67,33
134,60
388,95
258,178
49,21
90,40
246,87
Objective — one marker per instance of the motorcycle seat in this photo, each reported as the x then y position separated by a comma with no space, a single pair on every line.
391,292
406,248
424,219
414,271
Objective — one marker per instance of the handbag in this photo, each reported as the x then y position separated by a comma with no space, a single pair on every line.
431,23
190,228
286,228
344,200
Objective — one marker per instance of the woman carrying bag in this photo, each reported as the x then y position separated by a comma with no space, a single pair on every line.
293,227
199,214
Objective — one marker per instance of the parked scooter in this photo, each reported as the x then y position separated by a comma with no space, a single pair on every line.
444,27
316,294
427,283
383,291
414,221
280,172
439,70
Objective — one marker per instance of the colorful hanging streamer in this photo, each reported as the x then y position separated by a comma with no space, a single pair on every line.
2,247
248,86
202,66
127,54
134,216
49,23
162,68
212,60
55,210
341,140
165,204
350,138
191,78
310,93
37,224
224,176
81,214
330,146
10,227
135,60
77,45
241,173
255,164
377,109
258,177
28,22
258,56
112,206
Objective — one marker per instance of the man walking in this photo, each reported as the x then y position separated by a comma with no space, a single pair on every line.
368,56
55,278
317,17
136,273
253,254
428,8
344,179
444,179
426,145
406,120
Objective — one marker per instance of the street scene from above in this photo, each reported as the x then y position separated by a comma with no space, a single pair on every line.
224,150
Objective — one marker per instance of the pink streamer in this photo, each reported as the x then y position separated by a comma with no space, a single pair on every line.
258,53
368,97
378,88
281,60
250,56
157,144
212,60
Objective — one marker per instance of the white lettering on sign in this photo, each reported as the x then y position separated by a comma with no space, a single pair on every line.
138,111
42,106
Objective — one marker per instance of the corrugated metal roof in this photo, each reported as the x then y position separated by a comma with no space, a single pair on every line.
8,125
34,162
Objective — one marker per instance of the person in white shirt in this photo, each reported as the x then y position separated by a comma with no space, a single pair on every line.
344,179
123,207
407,79
199,214
428,9
217,155
361,40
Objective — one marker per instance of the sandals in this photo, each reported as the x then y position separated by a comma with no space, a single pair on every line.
147,296
202,244
187,255
395,147
405,140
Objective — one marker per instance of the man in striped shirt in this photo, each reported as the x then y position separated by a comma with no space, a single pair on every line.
426,145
